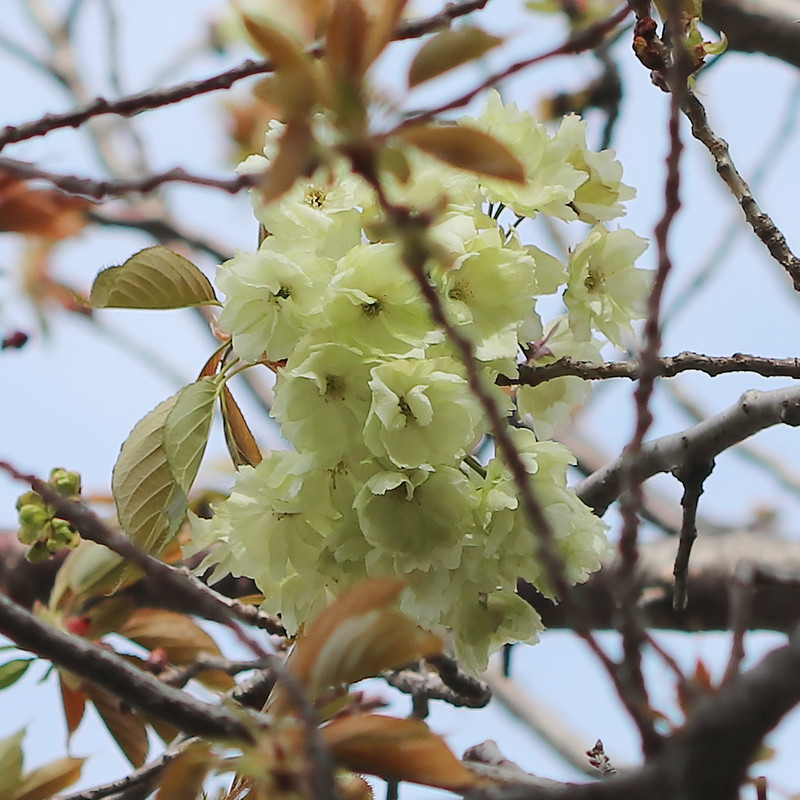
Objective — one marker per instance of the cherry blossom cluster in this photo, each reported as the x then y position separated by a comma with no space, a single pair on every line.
391,471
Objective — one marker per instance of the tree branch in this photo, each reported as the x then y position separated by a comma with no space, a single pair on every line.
667,367
754,411
706,758
713,584
107,670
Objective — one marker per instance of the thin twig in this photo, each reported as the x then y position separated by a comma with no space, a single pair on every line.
579,42
759,221
145,101
770,159
692,474
635,695
98,189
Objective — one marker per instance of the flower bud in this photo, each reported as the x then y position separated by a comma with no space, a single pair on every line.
63,533
34,516
28,535
30,499
66,483
38,552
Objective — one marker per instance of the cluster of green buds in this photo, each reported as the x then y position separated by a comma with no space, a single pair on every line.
39,528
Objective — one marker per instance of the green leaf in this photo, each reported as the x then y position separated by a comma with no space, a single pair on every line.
89,571
12,671
155,277
186,430
466,148
11,763
150,503
448,50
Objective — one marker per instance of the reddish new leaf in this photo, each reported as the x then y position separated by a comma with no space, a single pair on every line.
466,148
358,636
44,782
242,445
127,727
396,749
181,637
74,702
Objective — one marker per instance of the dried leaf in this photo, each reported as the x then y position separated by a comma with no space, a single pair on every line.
447,50
396,749
155,278
356,637
13,670
44,782
242,445
39,212
466,148
128,728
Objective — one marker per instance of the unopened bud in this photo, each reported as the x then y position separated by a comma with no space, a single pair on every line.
38,552
30,499
34,516
66,483
28,535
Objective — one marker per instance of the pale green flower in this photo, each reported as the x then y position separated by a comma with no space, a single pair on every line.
376,305
273,523
484,622
606,291
273,296
414,519
601,196
422,412
489,291
578,535
433,184
376,403
322,399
